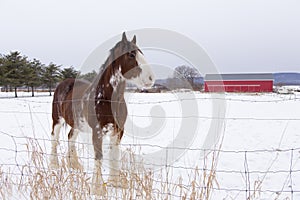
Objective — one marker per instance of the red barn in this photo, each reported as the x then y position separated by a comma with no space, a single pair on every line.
239,82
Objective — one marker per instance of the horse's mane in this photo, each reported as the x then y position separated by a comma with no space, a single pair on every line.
113,55
109,60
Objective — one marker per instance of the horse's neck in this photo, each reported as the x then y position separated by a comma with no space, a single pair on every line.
111,85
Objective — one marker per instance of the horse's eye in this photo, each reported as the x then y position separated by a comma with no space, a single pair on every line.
132,55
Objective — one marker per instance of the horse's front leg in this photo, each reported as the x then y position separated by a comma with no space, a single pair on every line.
98,186
116,179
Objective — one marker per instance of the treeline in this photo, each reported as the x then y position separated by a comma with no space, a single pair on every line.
17,71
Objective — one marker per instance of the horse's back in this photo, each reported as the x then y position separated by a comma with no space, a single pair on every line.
67,93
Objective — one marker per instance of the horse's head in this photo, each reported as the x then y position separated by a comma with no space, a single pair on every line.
132,63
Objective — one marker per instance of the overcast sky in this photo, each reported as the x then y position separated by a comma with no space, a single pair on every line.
239,36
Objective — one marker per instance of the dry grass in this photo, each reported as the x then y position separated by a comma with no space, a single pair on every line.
38,182
5,185
35,180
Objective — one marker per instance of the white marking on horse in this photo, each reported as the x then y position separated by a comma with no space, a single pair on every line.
114,155
83,126
146,77
108,129
116,78
54,141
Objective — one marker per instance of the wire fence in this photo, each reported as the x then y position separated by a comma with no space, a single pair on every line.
253,178
278,179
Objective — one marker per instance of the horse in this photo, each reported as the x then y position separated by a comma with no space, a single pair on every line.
100,106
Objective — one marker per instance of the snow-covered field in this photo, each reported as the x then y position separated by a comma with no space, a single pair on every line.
259,155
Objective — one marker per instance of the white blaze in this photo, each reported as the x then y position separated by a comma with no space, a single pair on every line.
146,77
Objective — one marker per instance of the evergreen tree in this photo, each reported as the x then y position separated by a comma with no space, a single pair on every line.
26,72
89,76
51,76
34,75
69,72
2,71
14,66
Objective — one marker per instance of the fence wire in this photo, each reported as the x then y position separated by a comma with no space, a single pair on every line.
252,179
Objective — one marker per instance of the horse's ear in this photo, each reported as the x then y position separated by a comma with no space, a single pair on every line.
124,38
133,39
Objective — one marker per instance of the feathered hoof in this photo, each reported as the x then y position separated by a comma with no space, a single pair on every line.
99,189
74,164
118,181
53,164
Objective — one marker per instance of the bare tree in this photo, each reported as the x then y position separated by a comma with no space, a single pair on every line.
187,73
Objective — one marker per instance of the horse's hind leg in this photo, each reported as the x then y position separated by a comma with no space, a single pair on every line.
72,157
57,124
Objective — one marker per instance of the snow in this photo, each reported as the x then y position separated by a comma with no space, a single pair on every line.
261,135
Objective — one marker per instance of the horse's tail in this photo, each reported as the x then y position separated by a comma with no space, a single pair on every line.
60,96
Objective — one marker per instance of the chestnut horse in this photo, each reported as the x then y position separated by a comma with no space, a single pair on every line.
99,106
